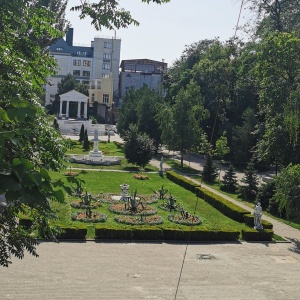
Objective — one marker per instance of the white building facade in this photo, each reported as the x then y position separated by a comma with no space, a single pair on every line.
100,60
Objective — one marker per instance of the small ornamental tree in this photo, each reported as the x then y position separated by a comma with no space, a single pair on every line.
265,194
229,182
81,134
209,172
86,143
249,188
138,147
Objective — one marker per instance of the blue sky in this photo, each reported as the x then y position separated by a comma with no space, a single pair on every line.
165,29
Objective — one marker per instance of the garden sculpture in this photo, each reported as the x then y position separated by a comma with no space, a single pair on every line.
161,170
171,202
133,202
257,216
162,192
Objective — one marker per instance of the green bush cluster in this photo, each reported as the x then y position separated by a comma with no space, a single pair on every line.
250,234
72,232
182,181
249,220
228,208
166,234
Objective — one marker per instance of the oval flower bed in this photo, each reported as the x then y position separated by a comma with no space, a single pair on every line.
145,220
140,176
95,217
120,209
80,204
191,220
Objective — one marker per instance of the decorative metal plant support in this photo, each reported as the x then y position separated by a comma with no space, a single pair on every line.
171,202
87,198
78,189
133,202
161,192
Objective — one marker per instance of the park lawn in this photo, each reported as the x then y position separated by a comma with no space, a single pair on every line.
175,165
108,149
109,182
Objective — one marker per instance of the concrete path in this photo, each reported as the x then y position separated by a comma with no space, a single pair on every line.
131,271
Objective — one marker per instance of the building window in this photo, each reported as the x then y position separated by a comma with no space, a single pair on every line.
106,66
104,75
76,72
81,53
59,49
99,84
105,98
86,82
107,45
93,97
106,55
76,62
86,73
86,63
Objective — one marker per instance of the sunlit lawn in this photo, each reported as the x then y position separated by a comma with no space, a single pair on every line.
109,182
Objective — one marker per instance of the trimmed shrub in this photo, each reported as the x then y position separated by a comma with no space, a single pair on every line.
148,234
201,235
72,233
257,235
182,181
112,234
249,220
228,208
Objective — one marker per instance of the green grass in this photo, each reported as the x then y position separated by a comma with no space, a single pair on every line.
175,165
108,149
97,182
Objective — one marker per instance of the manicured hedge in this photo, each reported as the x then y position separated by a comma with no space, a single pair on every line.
182,181
201,235
112,234
157,234
228,208
73,232
257,235
249,220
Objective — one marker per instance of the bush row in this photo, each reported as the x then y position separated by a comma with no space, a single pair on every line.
166,234
72,232
228,208
249,220
182,181
250,234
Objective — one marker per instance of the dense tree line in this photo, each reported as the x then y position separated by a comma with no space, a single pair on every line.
248,89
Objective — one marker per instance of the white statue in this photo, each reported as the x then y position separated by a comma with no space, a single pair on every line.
257,216
161,171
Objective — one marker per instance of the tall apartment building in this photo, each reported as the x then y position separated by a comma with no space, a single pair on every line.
137,72
87,64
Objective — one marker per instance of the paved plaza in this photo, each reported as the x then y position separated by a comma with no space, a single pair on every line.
151,271
119,270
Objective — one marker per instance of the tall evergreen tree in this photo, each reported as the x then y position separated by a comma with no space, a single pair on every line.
209,172
229,180
81,134
86,143
249,188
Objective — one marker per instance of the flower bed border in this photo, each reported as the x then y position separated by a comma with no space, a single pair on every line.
184,222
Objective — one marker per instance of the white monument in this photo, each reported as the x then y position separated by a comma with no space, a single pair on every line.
257,216
96,152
